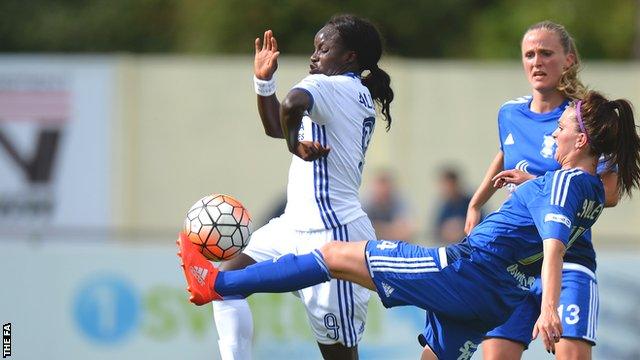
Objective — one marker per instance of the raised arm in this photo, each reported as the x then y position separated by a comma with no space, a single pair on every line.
265,65
484,192
549,325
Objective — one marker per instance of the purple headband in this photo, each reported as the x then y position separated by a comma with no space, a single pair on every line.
579,117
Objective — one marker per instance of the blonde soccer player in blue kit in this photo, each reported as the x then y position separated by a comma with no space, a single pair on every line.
525,126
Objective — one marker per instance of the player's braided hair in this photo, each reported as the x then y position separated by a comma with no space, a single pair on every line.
569,85
361,36
611,130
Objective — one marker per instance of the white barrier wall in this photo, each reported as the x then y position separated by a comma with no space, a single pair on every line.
117,301
100,301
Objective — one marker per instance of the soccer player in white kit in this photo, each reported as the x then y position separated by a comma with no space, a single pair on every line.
327,120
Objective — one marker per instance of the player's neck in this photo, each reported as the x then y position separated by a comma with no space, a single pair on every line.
584,163
544,102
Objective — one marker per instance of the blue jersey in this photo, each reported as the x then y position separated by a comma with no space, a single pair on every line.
562,204
526,137
527,144
471,287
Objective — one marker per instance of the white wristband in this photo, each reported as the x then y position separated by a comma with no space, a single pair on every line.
265,87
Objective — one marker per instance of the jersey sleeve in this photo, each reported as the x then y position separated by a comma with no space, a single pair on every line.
320,89
554,211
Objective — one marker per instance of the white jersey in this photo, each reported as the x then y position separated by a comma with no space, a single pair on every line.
324,194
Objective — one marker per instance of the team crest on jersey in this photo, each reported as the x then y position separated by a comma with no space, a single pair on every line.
548,147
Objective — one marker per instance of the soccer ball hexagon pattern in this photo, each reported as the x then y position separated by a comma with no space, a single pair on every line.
220,225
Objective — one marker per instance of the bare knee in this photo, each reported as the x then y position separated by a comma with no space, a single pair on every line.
333,253
343,256
573,349
345,261
501,349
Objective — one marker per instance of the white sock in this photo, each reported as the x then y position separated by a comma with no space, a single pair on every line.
235,329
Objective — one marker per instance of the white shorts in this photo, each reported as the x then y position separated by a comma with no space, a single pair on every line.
337,310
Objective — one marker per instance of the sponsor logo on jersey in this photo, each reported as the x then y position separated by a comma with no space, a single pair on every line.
548,147
523,280
387,289
509,140
559,218
467,350
385,245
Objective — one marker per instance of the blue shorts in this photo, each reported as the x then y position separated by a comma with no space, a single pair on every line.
578,309
463,297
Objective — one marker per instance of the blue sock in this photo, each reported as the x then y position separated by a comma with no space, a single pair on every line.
286,273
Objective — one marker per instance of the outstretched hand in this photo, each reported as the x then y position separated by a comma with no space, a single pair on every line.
549,327
310,150
512,176
265,62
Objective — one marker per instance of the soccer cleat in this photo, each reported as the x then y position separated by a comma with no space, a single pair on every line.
199,272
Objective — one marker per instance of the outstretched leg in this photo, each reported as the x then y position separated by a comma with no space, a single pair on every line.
288,273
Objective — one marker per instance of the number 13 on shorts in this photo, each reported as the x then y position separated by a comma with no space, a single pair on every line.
570,314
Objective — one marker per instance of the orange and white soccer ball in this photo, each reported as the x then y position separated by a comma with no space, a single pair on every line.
220,225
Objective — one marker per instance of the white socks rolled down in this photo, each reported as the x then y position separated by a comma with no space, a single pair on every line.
234,323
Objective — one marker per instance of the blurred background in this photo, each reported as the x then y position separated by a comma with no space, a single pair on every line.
116,116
